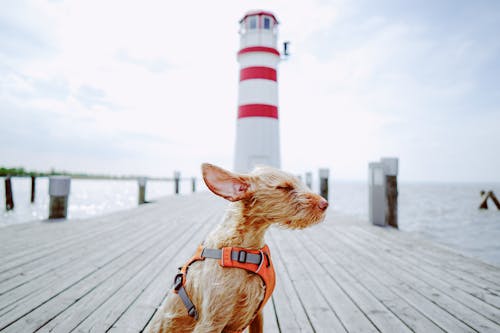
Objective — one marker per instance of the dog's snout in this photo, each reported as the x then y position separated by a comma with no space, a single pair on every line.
322,204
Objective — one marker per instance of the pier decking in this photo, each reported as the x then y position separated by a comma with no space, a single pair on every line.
109,274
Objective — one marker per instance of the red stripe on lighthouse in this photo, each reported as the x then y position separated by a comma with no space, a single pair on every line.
258,110
259,49
266,73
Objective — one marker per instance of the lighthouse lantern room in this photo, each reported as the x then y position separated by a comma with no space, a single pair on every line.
257,132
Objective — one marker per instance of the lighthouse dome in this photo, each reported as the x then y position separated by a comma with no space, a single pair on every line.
258,28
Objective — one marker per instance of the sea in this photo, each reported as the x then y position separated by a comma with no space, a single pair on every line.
446,213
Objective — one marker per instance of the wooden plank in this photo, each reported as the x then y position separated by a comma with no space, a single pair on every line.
352,318
404,289
397,305
57,243
270,319
31,270
439,279
48,233
376,315
87,259
140,311
321,316
97,310
468,268
109,274
290,312
102,272
79,240
99,262
471,284
111,312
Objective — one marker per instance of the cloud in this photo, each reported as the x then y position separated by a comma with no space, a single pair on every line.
158,81
157,65
91,97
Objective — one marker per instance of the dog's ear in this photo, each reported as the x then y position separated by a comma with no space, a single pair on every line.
226,184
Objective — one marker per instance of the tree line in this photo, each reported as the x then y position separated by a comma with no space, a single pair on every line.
21,172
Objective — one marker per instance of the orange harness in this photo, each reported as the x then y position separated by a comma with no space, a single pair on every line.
255,261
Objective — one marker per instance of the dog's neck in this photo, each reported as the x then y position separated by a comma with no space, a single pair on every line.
238,230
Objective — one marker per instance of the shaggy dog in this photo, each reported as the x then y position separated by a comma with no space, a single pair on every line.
231,299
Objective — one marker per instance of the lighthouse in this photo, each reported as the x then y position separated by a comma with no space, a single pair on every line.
257,129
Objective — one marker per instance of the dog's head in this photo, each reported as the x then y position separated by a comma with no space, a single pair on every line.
268,194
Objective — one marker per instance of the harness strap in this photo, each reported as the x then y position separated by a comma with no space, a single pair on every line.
181,291
241,256
229,257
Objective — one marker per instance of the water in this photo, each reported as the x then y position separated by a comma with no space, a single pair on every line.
445,213
88,197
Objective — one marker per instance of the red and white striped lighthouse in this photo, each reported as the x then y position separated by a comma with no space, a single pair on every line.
257,131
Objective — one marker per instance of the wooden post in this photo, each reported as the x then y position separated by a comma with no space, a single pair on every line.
9,200
59,187
484,200
33,188
376,194
323,182
309,177
494,198
177,178
142,190
391,191
193,184
391,194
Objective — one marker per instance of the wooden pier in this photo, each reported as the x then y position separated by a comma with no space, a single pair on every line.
109,274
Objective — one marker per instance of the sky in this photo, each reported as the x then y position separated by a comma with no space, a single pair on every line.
149,87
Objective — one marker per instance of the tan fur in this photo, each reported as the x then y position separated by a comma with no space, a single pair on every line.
227,298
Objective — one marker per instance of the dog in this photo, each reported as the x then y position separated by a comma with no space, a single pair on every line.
221,299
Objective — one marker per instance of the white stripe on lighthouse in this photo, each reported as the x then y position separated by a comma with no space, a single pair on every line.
258,91
258,59
258,143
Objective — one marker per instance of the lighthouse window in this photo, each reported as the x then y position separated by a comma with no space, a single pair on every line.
252,22
267,23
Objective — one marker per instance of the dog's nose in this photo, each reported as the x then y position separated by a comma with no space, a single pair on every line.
323,204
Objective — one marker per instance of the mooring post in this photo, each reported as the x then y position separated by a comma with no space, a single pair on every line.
484,200
33,188
177,178
323,182
9,199
193,184
494,198
376,194
141,181
309,178
391,190
59,187
383,192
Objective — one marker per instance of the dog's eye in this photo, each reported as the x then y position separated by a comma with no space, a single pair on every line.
285,187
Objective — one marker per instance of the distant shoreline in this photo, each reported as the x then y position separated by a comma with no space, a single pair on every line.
21,172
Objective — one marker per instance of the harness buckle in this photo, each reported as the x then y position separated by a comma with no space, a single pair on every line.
193,313
242,256
178,281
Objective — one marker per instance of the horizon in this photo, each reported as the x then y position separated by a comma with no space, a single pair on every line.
152,88
199,178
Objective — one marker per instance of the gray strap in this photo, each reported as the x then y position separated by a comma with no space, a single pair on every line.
240,256
211,253
181,291
187,302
